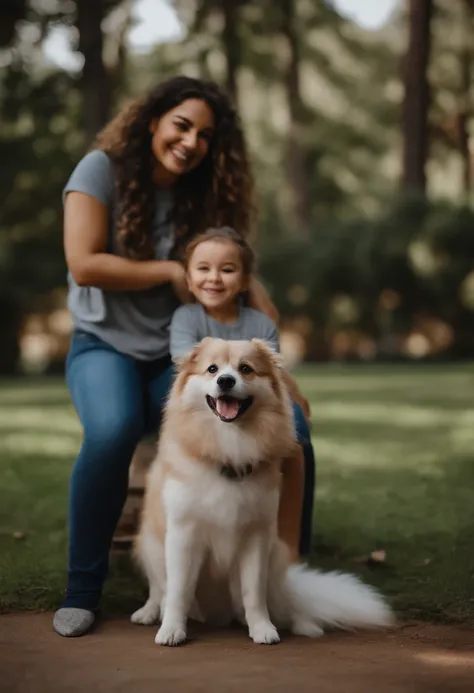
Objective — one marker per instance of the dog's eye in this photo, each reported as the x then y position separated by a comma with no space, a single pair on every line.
245,369
212,369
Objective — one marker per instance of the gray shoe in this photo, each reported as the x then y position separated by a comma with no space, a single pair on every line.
71,622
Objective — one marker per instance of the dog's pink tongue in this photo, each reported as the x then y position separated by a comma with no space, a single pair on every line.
228,408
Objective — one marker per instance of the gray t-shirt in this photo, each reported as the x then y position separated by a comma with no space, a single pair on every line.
191,323
135,323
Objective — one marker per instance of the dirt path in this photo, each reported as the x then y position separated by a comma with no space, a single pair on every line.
121,657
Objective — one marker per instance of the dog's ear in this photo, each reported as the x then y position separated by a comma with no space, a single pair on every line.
273,355
275,362
184,361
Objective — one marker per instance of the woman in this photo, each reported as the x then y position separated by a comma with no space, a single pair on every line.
166,168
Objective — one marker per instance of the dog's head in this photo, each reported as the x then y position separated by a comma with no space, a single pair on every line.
230,379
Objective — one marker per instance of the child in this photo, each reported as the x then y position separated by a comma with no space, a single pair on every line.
219,266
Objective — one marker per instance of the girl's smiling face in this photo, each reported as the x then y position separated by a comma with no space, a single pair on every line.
216,275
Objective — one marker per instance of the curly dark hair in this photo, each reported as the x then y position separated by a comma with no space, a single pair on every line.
218,192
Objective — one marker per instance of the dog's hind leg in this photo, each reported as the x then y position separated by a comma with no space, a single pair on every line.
151,556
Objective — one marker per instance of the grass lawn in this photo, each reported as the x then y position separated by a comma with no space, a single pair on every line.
395,461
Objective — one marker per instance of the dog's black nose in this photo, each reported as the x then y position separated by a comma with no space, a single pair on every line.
226,382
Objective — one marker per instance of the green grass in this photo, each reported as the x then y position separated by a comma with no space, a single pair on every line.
395,464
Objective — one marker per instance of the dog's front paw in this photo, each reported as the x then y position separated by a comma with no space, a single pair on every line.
264,633
171,635
147,615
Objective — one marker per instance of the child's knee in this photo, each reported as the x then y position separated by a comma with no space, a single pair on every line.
303,433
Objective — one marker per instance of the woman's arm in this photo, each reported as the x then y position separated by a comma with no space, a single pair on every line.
85,239
260,300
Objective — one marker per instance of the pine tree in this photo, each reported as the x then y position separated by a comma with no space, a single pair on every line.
417,96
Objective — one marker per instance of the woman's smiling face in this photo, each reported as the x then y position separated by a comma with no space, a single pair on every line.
181,139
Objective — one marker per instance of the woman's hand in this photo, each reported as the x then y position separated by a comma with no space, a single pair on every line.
260,300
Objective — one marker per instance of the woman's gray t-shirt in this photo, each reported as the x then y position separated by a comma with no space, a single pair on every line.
191,323
135,323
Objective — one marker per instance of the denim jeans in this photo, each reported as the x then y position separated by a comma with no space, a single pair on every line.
119,400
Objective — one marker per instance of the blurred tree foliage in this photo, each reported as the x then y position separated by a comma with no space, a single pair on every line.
321,102
411,264
40,141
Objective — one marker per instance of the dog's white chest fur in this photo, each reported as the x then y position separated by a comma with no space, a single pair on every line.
220,508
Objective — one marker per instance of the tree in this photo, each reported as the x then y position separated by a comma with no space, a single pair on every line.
202,16
232,46
417,96
41,139
40,142
296,170
95,80
465,101
85,19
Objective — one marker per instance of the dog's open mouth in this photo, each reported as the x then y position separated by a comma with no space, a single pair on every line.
228,408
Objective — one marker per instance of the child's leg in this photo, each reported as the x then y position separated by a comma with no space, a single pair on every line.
295,515
304,438
291,502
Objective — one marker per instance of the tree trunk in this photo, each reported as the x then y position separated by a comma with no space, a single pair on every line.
296,164
465,105
11,322
417,96
11,12
232,48
95,81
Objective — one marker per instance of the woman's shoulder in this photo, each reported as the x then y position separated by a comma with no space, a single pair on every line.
96,160
93,176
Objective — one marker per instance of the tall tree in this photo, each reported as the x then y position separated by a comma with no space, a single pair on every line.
95,81
465,105
297,174
417,95
11,11
232,45
203,16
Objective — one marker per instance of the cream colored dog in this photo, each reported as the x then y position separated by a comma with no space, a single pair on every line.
208,541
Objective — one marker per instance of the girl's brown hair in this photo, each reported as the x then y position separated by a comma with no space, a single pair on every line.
217,192
228,234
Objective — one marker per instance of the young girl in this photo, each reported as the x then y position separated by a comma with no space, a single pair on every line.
219,266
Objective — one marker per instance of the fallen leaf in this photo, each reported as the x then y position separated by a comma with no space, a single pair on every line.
379,556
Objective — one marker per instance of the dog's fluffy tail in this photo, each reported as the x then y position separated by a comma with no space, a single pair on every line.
317,600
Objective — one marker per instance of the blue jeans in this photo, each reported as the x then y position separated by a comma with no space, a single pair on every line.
304,438
119,400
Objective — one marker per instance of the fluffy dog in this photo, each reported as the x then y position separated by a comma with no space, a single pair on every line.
208,540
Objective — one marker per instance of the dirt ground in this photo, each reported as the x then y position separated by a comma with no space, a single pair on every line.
118,656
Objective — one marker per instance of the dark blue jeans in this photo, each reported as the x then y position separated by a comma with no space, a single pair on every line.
304,438
119,400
